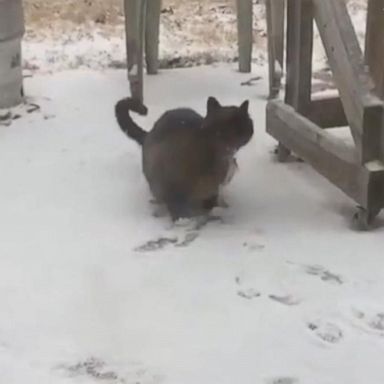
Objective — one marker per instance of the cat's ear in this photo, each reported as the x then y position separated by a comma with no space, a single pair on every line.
212,104
244,107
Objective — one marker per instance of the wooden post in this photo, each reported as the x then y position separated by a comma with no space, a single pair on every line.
11,34
244,30
152,30
299,60
134,27
374,51
275,10
299,54
374,44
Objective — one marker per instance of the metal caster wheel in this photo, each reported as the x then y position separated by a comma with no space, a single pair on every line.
282,153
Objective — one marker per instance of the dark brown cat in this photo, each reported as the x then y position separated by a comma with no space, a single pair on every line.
186,158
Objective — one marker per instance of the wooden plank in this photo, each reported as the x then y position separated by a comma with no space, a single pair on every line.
275,12
330,156
245,34
327,112
374,44
134,29
152,31
347,64
299,54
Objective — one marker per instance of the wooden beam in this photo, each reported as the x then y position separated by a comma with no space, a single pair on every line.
330,156
374,44
245,34
372,136
299,54
134,29
152,31
347,64
275,11
327,112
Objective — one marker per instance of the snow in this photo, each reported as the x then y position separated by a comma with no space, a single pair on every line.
279,291
207,37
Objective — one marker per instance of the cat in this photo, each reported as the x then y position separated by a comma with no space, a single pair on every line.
186,157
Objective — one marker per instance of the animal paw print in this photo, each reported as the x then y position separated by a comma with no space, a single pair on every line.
372,322
246,293
155,245
288,300
328,332
324,274
99,371
163,242
252,246
283,380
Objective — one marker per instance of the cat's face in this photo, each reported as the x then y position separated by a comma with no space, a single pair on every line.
230,126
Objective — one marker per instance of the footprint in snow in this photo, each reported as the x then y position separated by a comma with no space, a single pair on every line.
156,245
191,231
246,293
163,242
324,274
251,246
288,300
283,380
328,332
100,371
369,321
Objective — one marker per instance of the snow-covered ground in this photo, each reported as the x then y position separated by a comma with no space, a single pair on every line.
191,33
94,289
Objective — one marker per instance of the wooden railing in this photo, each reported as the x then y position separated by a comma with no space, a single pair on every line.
298,123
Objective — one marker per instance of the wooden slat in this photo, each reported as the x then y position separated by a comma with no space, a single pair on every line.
347,64
245,33
327,112
330,156
275,11
299,53
152,30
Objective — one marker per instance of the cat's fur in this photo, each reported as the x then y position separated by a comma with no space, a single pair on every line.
187,157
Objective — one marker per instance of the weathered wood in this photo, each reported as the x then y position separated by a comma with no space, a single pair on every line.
347,64
152,30
298,58
374,58
275,12
372,134
135,21
327,112
374,43
330,156
245,33
299,54
374,193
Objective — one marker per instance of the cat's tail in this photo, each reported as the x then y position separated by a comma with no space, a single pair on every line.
127,125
